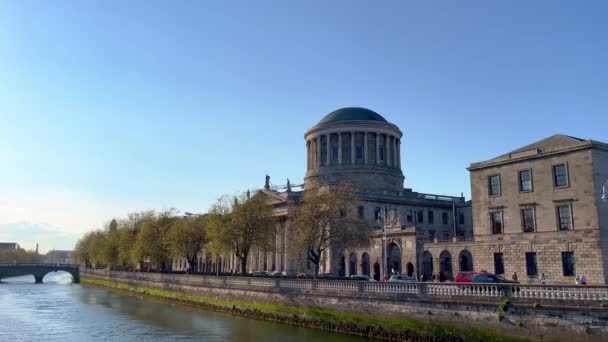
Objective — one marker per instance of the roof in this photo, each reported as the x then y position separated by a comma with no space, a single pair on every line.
352,113
552,144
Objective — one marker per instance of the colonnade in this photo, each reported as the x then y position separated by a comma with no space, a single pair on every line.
354,147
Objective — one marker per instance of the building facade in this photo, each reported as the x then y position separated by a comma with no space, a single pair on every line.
535,210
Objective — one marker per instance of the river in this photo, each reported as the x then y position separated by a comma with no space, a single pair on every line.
60,311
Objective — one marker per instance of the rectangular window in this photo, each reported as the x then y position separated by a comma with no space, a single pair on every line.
444,218
461,218
531,264
431,216
376,213
527,220
496,221
560,175
525,181
409,216
499,264
494,185
564,217
420,216
568,263
334,153
359,152
361,211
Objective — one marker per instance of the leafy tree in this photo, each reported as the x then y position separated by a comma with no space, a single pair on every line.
186,239
110,245
326,217
236,228
152,243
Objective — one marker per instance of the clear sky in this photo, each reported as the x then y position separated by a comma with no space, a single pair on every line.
112,106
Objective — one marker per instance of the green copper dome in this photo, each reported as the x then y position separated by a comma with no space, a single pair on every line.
352,113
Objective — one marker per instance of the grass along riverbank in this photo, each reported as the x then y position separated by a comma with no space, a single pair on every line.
343,322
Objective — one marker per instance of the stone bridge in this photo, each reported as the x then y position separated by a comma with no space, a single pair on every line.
37,270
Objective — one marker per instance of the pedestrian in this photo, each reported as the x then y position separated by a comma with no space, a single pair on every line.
583,280
542,279
577,280
434,277
385,277
514,277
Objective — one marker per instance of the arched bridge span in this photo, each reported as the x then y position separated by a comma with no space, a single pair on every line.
38,270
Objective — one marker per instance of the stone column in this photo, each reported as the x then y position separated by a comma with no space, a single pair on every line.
365,148
328,145
318,158
388,151
352,148
377,149
307,155
399,154
340,148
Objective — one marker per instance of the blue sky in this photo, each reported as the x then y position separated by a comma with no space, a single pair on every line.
111,106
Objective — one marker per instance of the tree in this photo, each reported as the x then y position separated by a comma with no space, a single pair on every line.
110,244
326,217
152,243
236,228
186,239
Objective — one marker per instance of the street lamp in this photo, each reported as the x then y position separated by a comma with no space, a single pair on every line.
605,191
382,221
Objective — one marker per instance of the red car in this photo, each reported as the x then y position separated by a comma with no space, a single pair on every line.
466,276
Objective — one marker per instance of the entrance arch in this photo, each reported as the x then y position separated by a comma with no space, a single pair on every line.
352,264
445,266
427,266
365,264
465,260
377,271
410,269
393,260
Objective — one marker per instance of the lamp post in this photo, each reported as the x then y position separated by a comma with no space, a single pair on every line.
382,221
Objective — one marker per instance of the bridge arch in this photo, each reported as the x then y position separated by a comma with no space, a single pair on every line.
38,271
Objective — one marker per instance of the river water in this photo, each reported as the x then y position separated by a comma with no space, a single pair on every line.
60,311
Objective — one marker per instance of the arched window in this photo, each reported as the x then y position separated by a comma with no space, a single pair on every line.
365,264
465,260
352,264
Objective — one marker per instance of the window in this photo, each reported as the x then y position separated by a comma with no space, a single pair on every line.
431,216
527,220
431,234
361,211
334,153
381,152
444,218
564,217
420,216
496,221
359,152
531,264
560,175
525,181
409,216
460,218
494,185
376,213
568,263
499,264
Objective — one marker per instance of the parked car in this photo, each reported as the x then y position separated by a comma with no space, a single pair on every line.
260,274
361,277
327,276
276,274
397,278
466,276
491,278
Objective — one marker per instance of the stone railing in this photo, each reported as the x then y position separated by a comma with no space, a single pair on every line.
550,294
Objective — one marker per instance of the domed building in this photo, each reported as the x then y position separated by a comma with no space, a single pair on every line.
357,146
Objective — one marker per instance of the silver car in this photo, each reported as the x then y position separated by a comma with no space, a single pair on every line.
401,279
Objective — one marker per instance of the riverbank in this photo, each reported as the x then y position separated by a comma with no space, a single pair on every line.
330,320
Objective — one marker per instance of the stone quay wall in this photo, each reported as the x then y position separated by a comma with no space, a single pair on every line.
559,312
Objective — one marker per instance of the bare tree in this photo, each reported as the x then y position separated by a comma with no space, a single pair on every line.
326,217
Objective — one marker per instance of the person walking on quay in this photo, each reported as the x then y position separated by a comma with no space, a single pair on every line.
577,280
583,280
514,277
434,277
542,279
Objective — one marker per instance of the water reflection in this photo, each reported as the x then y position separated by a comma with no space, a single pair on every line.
55,311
